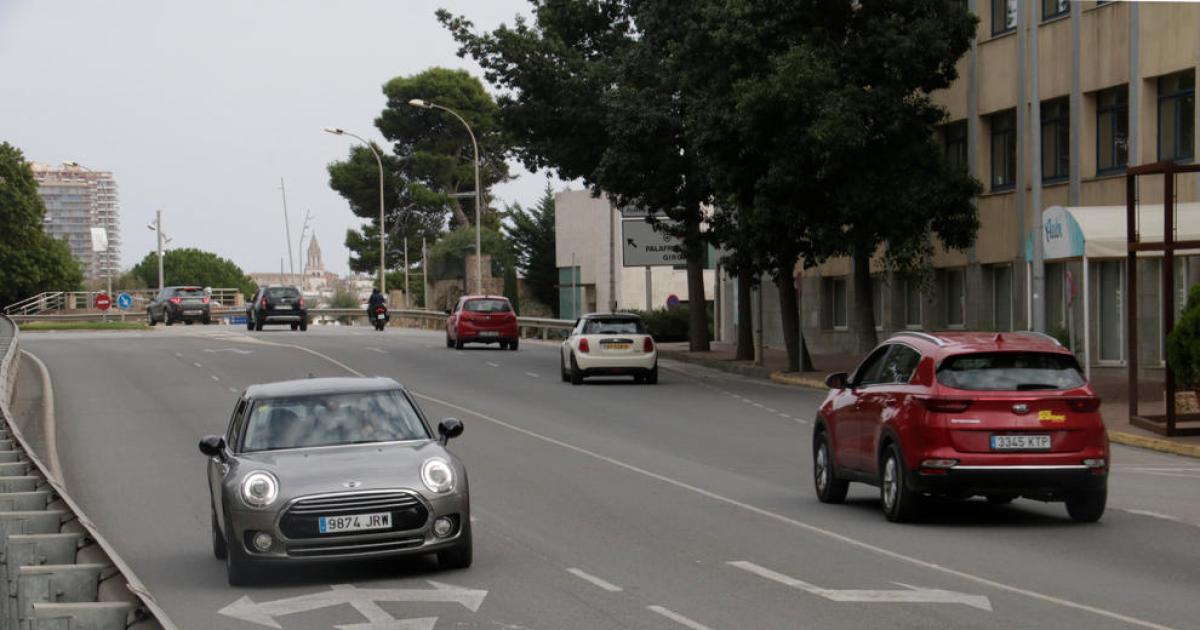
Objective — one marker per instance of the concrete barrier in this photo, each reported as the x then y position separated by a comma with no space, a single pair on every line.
56,571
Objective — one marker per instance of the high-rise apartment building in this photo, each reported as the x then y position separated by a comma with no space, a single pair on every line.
78,199
1053,102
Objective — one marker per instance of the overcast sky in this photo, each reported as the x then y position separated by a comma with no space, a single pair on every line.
198,108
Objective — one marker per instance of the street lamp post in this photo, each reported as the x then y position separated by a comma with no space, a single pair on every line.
382,251
416,102
157,227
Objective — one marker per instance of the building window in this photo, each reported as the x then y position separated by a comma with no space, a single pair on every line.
1176,116
1056,139
1002,306
835,300
1112,129
956,297
1004,16
1004,149
912,303
1054,8
954,138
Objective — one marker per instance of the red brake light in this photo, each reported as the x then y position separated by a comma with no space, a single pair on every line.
946,405
175,300
204,299
301,301
1084,405
647,345
583,345
264,302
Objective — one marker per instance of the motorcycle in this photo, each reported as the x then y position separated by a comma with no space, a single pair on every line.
379,317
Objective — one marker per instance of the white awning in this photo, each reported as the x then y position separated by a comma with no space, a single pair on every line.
1099,231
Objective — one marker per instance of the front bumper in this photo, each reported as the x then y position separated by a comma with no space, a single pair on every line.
412,541
1045,481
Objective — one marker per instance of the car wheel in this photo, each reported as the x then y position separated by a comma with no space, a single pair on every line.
218,540
150,318
304,326
449,341
652,377
295,326
458,344
576,373
207,320
829,488
460,556
167,318
638,379
562,368
512,345
1087,506
258,325
188,322
899,503
249,322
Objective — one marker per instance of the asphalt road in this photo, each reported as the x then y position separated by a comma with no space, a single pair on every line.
683,505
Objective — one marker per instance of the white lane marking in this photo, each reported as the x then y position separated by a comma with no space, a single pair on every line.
595,581
1155,468
215,378
374,349
493,364
847,540
197,364
233,389
1169,474
1158,515
48,423
677,618
531,374
264,613
233,350
759,405
179,355
770,410
914,594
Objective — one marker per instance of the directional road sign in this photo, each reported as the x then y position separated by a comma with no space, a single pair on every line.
103,301
634,212
124,301
643,246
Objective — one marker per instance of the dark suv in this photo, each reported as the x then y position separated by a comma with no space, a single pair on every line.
959,414
179,304
277,305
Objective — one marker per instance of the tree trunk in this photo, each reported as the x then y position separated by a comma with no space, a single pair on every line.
460,215
745,311
864,301
806,362
789,314
694,245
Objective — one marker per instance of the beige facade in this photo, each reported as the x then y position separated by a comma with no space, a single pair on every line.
1099,69
78,199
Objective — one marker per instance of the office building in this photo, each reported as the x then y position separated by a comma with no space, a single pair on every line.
77,200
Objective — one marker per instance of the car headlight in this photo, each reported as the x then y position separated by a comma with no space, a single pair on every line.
437,475
259,489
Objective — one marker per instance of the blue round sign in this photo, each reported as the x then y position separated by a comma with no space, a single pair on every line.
672,301
124,301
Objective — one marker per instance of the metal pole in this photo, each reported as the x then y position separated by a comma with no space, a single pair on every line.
758,323
478,195
612,261
406,271
574,287
1038,270
424,276
158,230
287,232
649,290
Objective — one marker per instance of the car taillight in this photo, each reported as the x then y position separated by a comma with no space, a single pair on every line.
204,299
176,300
583,345
946,405
1083,405
301,301
647,345
264,302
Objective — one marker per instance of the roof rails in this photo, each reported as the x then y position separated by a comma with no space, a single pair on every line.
1042,335
934,339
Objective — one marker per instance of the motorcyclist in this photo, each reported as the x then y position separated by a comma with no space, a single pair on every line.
376,300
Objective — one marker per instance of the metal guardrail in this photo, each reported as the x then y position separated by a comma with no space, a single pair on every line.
56,570
42,303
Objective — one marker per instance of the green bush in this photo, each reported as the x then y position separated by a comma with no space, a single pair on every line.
1063,335
669,324
1183,344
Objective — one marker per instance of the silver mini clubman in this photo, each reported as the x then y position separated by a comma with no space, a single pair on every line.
334,469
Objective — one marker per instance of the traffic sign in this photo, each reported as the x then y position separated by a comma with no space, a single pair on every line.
643,246
672,301
124,301
103,301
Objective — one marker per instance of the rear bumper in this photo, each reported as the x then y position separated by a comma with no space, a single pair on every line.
189,313
597,365
1041,480
281,317
476,334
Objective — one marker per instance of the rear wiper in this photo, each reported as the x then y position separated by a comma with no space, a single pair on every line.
1028,386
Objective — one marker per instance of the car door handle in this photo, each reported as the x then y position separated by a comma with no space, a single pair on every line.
890,402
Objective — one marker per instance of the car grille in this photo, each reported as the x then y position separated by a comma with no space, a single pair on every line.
338,548
301,518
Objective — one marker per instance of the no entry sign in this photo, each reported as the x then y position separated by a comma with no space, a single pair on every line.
103,301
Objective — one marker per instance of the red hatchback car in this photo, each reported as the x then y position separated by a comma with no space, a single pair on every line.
961,414
482,319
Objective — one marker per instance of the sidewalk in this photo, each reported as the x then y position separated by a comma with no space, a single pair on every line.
1110,383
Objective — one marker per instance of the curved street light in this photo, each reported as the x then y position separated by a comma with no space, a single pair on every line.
382,230
423,104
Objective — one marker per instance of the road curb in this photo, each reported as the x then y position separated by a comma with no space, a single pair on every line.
1154,444
725,365
787,378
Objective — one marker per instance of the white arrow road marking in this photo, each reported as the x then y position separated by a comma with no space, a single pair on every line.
915,594
264,613
233,350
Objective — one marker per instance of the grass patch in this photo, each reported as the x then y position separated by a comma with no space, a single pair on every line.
36,326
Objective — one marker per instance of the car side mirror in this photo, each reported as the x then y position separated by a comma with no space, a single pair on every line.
837,380
449,428
213,446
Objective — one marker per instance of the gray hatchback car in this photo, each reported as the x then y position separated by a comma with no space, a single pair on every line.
334,469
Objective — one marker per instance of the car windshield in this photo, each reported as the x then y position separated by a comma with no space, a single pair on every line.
331,420
189,292
629,326
487,306
282,292
1010,371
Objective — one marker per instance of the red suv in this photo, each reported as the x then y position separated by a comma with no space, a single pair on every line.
482,319
961,414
